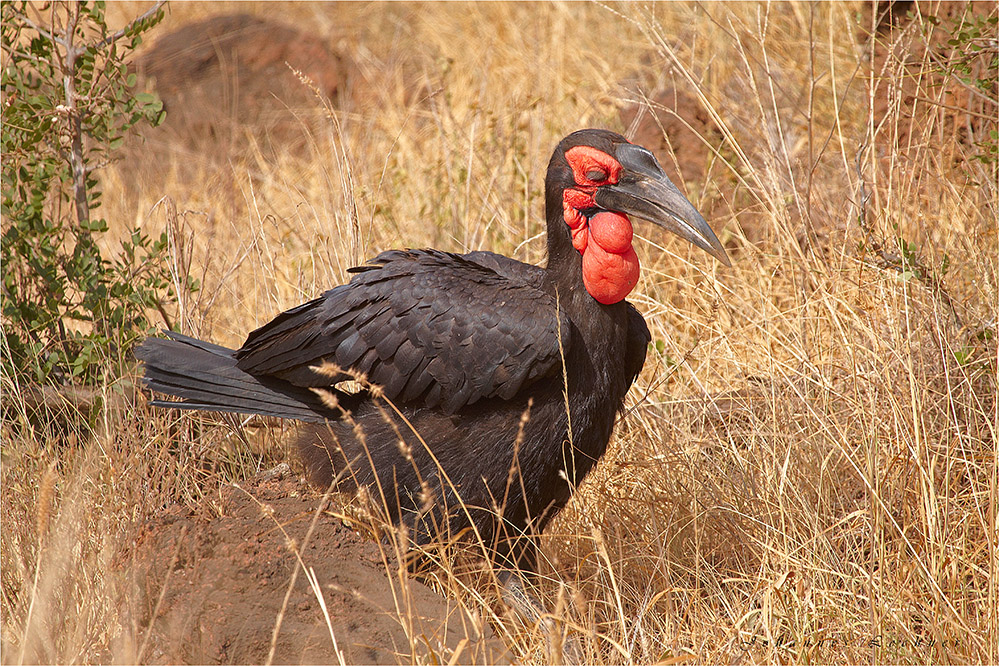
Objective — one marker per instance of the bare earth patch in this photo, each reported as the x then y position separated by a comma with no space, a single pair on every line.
225,590
229,72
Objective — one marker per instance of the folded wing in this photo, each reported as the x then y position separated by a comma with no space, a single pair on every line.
430,327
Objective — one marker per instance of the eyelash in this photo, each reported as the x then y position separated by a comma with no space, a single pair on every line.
596,176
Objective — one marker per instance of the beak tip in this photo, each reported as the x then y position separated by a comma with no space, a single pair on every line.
706,239
651,195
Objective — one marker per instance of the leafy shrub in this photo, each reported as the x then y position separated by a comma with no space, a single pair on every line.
70,308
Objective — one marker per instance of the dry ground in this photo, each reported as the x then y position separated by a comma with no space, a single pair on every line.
807,468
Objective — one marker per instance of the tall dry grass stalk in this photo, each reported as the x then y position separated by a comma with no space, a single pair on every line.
807,469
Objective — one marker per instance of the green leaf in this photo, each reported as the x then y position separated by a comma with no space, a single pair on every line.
54,270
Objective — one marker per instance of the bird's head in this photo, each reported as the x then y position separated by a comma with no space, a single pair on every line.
596,179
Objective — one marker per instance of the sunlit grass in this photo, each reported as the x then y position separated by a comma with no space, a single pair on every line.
807,469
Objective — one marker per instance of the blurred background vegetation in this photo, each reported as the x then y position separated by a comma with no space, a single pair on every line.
810,452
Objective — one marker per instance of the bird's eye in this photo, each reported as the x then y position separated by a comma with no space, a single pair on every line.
597,175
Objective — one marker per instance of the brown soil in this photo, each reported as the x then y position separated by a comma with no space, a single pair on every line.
675,126
911,109
215,587
228,89
237,69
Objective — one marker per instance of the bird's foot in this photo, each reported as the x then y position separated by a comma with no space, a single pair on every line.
280,471
527,608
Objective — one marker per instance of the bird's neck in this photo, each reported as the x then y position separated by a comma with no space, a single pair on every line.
594,252
565,263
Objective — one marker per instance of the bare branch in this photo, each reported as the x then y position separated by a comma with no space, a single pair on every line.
76,158
111,39
41,31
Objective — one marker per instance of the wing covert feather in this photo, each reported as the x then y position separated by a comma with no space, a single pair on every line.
427,326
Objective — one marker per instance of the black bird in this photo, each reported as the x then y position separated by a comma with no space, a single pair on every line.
493,384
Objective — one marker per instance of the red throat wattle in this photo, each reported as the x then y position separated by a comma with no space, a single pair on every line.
610,265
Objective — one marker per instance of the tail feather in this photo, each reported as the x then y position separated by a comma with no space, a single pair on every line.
205,376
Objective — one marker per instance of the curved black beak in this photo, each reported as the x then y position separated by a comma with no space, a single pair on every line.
644,191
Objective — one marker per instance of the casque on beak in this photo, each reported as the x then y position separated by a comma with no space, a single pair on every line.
645,191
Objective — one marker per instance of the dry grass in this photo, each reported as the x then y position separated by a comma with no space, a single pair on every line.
807,471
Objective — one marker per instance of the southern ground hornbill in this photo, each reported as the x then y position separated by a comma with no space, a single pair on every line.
494,384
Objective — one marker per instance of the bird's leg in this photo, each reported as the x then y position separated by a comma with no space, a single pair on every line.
529,610
517,579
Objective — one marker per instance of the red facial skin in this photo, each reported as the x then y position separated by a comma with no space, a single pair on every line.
610,265
587,162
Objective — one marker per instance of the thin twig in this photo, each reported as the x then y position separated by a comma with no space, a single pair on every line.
111,39
41,31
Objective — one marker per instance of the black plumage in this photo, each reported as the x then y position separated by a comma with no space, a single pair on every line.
498,381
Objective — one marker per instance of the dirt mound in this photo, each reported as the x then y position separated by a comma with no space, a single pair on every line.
925,81
676,127
215,588
218,76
